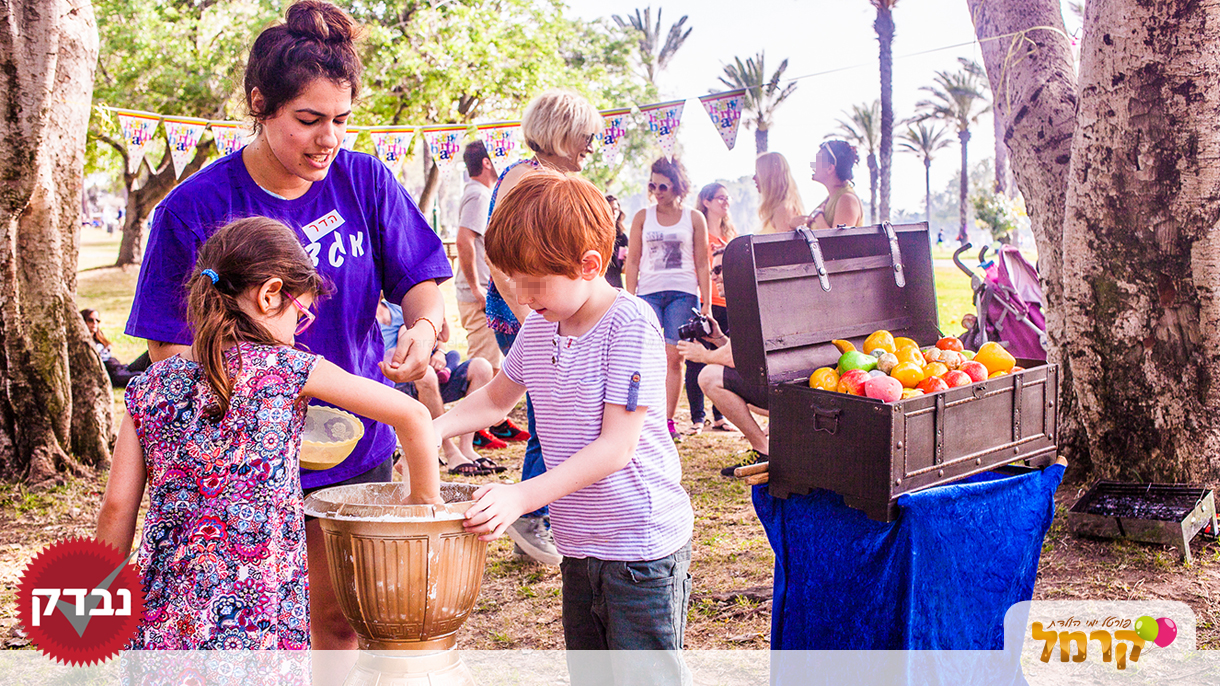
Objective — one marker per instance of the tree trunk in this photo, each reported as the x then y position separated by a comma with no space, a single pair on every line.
1141,253
55,396
963,138
1033,84
1003,166
432,177
142,200
872,187
884,26
760,140
927,190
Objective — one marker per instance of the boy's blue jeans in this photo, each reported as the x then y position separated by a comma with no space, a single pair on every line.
533,464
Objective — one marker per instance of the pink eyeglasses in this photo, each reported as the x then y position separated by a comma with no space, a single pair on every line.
305,319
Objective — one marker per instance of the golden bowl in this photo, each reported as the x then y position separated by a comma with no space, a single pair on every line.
406,576
330,436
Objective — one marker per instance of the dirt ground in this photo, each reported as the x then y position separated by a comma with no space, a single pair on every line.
519,606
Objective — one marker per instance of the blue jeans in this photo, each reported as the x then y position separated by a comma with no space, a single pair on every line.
626,606
673,309
533,464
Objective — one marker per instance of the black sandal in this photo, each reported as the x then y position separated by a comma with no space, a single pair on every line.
490,465
469,469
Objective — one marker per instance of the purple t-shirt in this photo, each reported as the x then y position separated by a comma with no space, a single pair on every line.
364,233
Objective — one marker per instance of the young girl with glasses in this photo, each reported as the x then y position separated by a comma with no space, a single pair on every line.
668,265
215,432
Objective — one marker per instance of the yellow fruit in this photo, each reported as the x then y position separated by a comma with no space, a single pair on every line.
908,374
824,378
901,342
880,339
911,354
911,393
934,369
995,358
843,346
996,374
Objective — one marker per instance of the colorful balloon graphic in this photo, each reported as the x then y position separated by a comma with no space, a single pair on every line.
1167,631
1147,628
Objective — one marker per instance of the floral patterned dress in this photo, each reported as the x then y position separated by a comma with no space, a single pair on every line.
223,553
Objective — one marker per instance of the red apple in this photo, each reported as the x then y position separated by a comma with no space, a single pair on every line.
932,384
975,370
887,389
956,377
852,382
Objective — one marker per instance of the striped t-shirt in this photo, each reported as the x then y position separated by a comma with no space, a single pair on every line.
641,511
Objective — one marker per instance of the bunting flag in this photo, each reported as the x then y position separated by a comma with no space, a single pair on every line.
616,123
349,138
503,142
663,121
184,134
137,129
445,144
392,144
725,111
230,136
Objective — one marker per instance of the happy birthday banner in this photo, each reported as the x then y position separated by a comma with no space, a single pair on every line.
445,144
615,123
503,142
183,134
349,138
137,129
391,143
725,111
664,118
230,136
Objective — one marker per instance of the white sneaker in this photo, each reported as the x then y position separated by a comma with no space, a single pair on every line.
534,538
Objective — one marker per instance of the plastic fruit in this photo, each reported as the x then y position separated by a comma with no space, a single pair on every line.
908,393
975,370
908,374
950,343
824,378
955,378
887,362
854,359
843,346
1014,370
877,372
883,388
880,339
952,359
933,384
901,342
995,358
852,382
996,375
911,354
968,354
935,369
931,354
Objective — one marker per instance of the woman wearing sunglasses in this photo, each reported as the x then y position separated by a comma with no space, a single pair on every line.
833,168
668,265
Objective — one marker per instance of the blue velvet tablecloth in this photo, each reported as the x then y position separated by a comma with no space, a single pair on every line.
940,577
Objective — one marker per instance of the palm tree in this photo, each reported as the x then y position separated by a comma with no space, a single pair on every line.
924,140
862,129
958,99
763,95
884,26
653,53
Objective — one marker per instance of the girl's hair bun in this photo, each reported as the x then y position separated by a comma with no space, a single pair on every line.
320,21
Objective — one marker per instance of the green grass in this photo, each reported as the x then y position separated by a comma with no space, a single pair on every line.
953,299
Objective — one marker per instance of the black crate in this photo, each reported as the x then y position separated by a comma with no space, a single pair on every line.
785,308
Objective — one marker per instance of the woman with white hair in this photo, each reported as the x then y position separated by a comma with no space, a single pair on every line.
559,127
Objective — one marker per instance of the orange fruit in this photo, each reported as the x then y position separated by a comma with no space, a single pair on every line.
934,369
901,342
911,354
880,339
908,374
908,393
824,378
995,358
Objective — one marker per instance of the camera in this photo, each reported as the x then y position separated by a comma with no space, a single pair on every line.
696,327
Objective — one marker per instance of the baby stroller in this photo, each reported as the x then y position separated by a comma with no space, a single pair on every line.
1008,299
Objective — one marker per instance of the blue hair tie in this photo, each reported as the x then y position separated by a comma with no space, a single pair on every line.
211,274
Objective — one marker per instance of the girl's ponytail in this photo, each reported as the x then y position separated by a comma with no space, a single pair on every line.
239,257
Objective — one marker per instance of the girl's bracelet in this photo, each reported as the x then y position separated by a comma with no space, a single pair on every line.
436,334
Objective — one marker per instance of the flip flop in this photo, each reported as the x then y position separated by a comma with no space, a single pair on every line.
469,469
491,467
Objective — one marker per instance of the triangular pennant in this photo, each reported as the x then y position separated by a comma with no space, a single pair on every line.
392,144
616,123
503,142
184,134
230,136
349,138
137,129
444,144
664,118
725,111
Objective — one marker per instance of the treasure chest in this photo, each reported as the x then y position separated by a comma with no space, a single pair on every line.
790,294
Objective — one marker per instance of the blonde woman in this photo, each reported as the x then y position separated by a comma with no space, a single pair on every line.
780,201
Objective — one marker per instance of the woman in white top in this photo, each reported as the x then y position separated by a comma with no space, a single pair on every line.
667,265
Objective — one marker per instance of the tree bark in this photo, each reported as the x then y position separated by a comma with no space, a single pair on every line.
760,140
927,190
141,200
963,137
1141,249
54,398
1033,85
873,171
884,26
432,178
1003,165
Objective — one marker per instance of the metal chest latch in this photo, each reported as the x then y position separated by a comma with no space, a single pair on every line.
826,419
895,254
815,249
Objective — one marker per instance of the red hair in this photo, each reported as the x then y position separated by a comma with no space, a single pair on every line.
546,224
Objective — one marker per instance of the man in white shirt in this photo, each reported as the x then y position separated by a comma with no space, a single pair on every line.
473,274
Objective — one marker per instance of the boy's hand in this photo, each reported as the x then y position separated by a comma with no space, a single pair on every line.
496,507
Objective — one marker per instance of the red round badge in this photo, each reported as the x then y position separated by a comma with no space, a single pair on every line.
80,601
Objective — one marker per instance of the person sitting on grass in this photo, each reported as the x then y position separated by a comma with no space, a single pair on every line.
445,381
120,374
593,359
720,381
